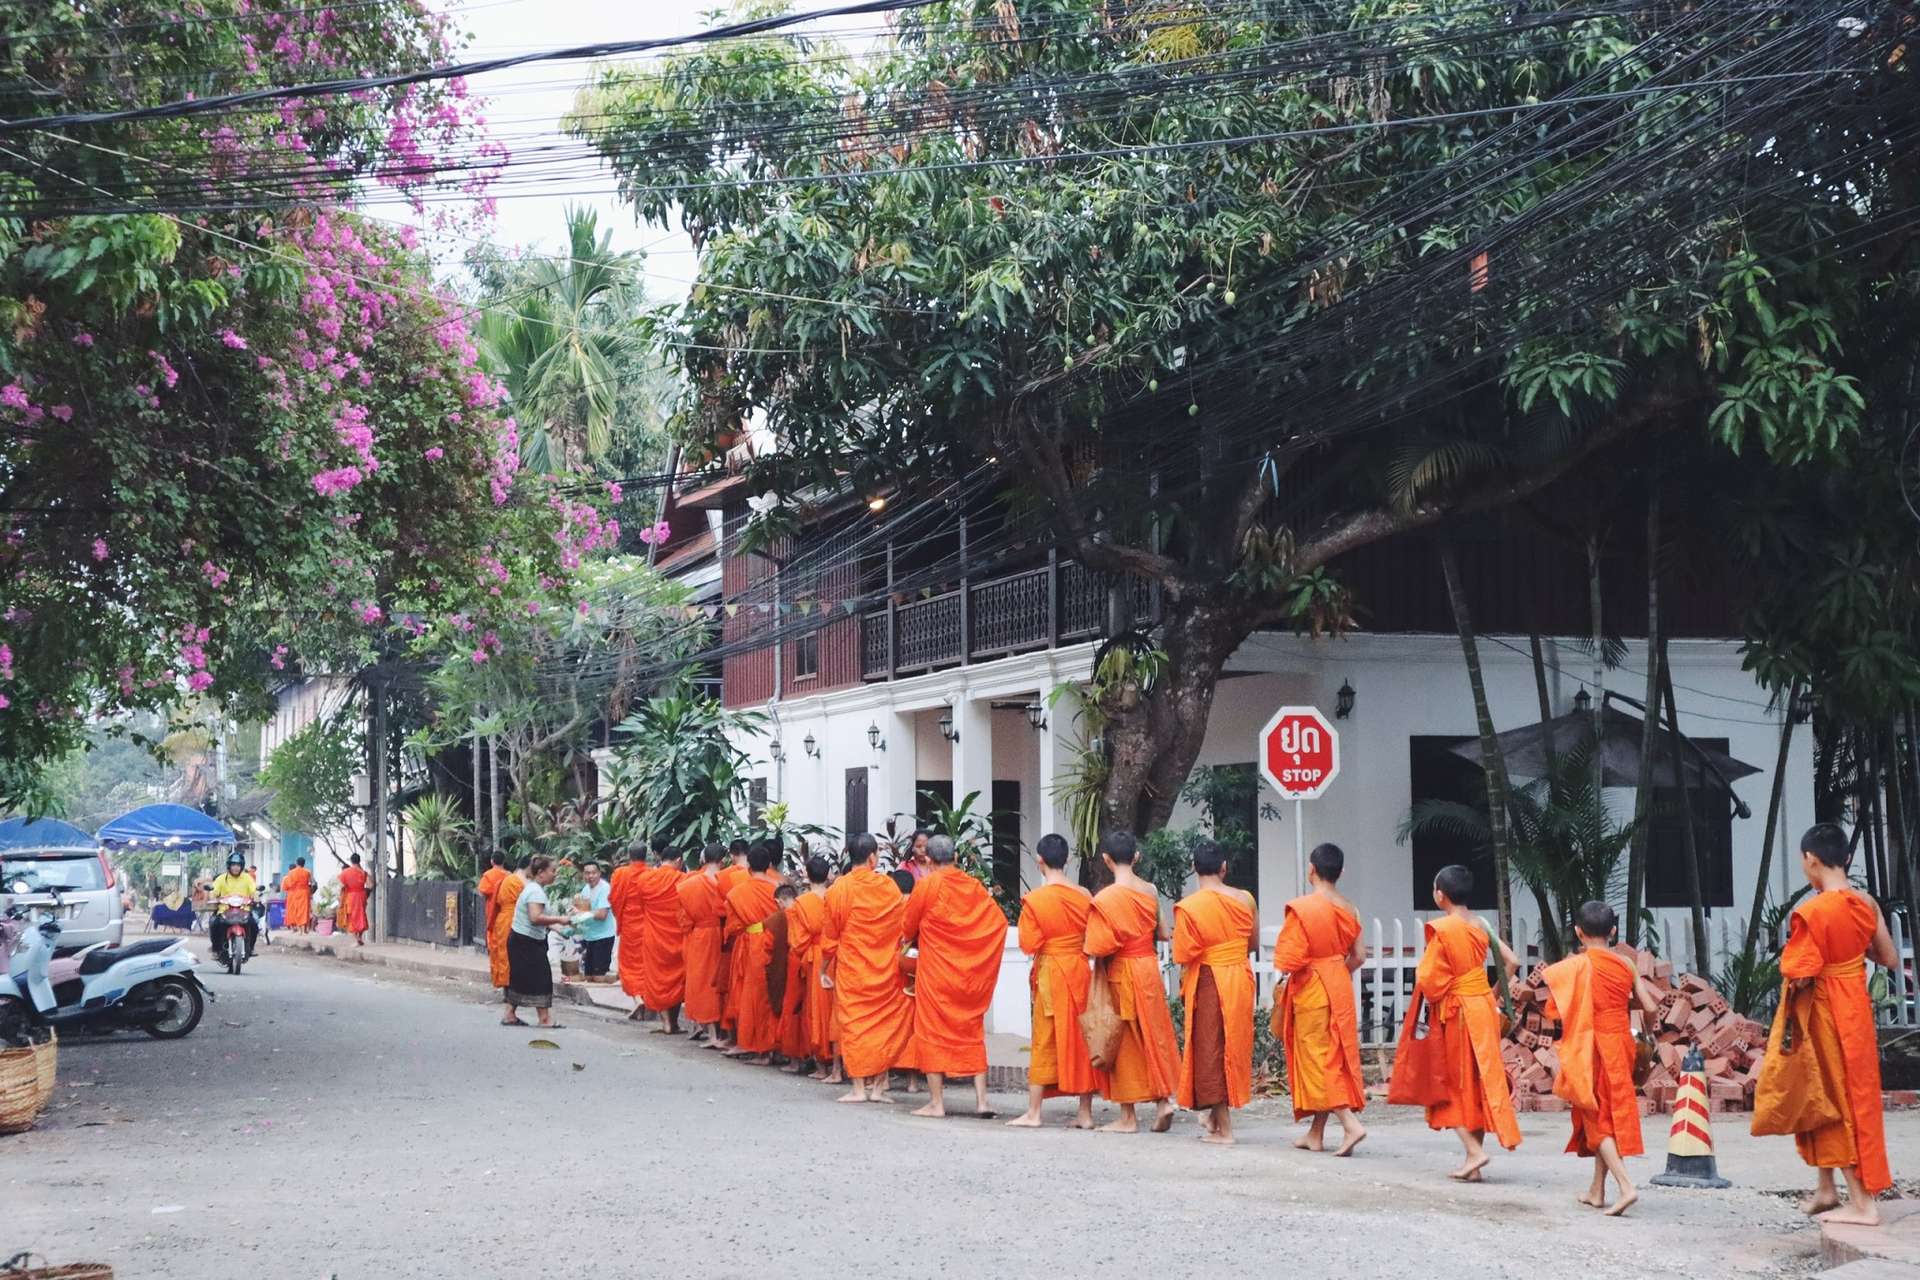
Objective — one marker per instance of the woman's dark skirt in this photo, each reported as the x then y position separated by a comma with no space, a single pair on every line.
529,974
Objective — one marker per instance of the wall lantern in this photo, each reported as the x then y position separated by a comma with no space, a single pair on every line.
874,739
1582,702
1036,715
947,730
778,751
1343,701
808,745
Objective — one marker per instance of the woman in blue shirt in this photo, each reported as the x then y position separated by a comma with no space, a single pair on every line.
597,929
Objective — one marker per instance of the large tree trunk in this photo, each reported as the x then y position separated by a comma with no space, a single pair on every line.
1491,759
1551,940
1649,725
1696,899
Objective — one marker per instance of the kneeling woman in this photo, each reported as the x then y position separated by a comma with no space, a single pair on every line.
529,973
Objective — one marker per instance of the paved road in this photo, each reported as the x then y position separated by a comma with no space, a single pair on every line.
325,1122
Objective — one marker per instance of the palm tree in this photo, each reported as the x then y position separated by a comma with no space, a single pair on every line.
439,835
559,341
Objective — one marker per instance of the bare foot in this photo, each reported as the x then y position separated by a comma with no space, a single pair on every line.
1626,1202
1850,1215
1119,1126
638,1011
1591,1200
1218,1139
1024,1122
835,1078
1818,1203
1163,1121
1470,1171
1353,1140
664,1031
792,1069
985,1113
712,1044
759,1060
858,1095
884,1098
816,1075
1307,1142
931,1111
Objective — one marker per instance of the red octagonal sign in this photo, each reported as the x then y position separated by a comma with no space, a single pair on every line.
1299,752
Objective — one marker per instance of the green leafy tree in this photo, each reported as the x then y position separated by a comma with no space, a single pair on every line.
311,775
679,771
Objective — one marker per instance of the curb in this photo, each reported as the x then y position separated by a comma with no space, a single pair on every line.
1893,1243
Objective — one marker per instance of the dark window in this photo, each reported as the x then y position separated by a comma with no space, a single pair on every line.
925,796
1232,796
1006,838
856,801
806,656
1667,842
1439,774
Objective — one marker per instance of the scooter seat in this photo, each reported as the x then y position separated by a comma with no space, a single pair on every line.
106,957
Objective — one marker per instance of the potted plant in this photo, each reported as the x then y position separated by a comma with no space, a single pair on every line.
325,903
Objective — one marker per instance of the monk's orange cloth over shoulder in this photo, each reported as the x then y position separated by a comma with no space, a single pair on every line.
1591,993
806,936
865,911
790,1014
663,959
1319,1027
504,900
1212,932
489,886
353,899
1453,977
1827,941
297,884
961,932
1053,930
700,902
749,906
630,921
730,879
1121,930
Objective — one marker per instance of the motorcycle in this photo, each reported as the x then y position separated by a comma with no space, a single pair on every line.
148,985
236,912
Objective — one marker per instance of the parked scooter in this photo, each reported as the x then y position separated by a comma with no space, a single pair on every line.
149,985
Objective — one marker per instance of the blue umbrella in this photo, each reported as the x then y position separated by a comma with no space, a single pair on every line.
44,835
172,826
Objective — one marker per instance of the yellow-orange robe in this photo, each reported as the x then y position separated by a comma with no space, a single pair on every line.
806,940
749,906
1453,978
699,895
490,881
1317,1023
354,882
731,877
962,933
629,922
1212,934
1827,941
865,911
1121,930
504,900
1053,930
663,965
787,989
1592,994
297,884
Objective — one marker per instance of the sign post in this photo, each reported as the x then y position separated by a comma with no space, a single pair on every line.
1299,758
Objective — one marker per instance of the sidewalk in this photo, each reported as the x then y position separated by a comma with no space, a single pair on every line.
1006,1054
1885,1252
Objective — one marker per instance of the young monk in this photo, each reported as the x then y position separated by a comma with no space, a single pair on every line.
732,873
663,969
749,906
630,924
865,911
1122,930
1313,1012
1591,994
489,886
1214,928
784,984
705,911
961,932
1830,937
806,937
1452,977
505,898
1053,930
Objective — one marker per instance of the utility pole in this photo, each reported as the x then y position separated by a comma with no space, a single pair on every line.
377,812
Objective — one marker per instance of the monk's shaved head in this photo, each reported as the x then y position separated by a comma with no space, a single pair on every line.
1596,920
760,857
713,852
1828,845
1328,862
1208,858
818,870
862,847
940,850
1052,850
1456,882
785,893
1120,846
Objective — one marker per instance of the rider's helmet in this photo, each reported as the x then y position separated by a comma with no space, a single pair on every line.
236,862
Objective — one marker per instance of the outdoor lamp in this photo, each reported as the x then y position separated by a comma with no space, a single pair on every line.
778,751
1036,715
1582,702
874,739
947,730
1343,701
1802,710
808,745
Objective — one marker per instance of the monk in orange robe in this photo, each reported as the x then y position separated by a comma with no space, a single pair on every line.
1313,1012
705,911
297,884
865,913
1591,993
961,933
505,898
750,904
1830,937
1053,930
488,888
806,938
355,887
630,924
1214,929
1122,930
732,874
786,979
1452,977
663,960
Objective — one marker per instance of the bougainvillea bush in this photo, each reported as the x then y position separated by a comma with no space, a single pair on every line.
241,429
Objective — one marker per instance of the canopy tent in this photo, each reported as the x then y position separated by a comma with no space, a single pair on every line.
1526,751
44,835
171,826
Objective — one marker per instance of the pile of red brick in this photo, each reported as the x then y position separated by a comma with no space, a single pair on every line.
1691,1013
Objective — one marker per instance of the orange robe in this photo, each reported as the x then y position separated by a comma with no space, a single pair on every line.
353,899
731,878
663,964
500,924
1212,935
1053,930
1453,978
790,1012
489,885
961,932
1319,1027
865,911
1591,994
749,906
806,940
1827,940
1121,930
629,922
700,900
297,884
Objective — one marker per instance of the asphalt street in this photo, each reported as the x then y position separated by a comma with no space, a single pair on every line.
327,1122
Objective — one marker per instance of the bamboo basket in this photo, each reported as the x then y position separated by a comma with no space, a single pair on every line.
45,1059
20,1097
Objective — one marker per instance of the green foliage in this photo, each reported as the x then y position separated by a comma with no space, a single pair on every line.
311,774
972,836
677,772
440,838
1165,859
794,839
1750,980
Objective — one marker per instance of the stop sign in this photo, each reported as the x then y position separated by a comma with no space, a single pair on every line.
1299,752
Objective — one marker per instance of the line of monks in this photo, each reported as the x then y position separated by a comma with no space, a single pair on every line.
859,978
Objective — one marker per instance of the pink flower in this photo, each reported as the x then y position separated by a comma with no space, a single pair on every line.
4,704
64,412
232,339
216,576
99,548
479,656
366,611
14,396
434,454
613,491
82,339
339,480
126,682
199,681
279,659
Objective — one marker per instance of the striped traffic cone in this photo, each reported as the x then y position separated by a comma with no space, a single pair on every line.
1690,1142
